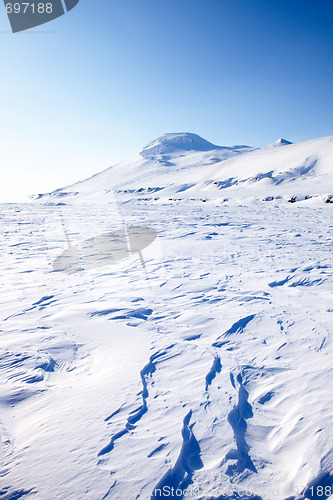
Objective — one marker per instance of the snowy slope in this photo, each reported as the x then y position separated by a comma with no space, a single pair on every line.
209,369
172,163
187,166
202,360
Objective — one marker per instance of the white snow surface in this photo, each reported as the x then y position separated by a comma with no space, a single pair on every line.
185,166
209,368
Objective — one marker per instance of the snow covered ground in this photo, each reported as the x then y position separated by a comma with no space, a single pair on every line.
205,366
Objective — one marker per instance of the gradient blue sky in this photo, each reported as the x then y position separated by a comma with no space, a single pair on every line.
93,87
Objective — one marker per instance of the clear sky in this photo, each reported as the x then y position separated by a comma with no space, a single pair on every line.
91,88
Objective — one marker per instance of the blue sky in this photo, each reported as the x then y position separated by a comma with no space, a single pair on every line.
94,86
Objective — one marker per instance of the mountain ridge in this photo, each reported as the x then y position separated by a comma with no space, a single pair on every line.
188,164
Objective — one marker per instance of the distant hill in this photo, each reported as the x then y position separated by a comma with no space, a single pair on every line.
185,166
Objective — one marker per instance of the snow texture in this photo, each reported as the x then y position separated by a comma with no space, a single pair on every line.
199,365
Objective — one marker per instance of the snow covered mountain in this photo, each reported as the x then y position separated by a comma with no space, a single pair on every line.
185,166
153,348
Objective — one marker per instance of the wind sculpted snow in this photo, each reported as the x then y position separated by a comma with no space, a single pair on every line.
208,370
186,349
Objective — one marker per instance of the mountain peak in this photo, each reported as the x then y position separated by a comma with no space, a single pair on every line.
172,143
281,142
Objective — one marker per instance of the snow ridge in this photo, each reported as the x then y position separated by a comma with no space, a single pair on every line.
184,166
